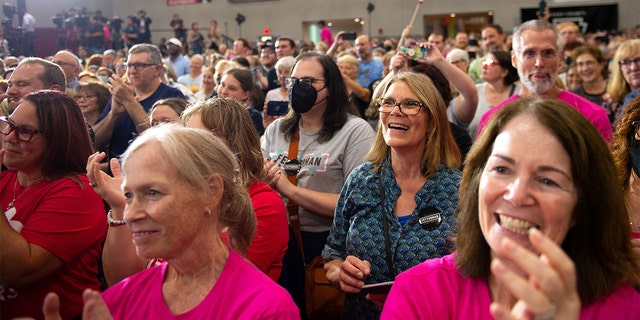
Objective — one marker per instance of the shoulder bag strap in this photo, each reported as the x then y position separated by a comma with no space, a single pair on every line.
387,240
292,207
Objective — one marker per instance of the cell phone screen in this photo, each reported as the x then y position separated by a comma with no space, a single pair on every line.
277,108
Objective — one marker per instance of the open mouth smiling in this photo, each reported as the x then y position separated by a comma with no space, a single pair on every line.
515,225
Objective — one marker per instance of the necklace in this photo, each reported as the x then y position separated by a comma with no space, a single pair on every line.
13,201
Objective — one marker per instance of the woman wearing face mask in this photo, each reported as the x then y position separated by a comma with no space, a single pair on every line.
331,141
625,146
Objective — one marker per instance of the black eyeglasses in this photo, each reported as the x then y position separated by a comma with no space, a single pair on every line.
289,82
407,107
626,63
139,66
23,133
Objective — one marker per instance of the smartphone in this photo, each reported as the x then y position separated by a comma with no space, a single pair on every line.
349,36
377,288
542,6
415,51
277,108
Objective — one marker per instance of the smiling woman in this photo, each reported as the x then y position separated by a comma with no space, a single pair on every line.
404,196
54,223
540,235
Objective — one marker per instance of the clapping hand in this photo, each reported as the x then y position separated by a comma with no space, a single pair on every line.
543,284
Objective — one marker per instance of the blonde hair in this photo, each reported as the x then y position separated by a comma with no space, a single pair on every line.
197,155
440,147
618,87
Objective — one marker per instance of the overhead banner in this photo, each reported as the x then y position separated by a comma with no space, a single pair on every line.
589,18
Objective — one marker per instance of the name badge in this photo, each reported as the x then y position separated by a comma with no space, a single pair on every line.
430,218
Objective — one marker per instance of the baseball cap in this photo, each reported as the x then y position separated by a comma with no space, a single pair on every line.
175,41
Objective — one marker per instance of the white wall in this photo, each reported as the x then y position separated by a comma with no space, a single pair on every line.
284,17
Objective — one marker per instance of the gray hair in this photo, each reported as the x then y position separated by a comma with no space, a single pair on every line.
154,53
534,25
197,155
458,53
285,62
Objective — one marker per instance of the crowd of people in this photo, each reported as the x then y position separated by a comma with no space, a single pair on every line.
483,177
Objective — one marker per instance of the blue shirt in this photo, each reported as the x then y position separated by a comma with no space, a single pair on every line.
180,65
358,229
125,130
368,72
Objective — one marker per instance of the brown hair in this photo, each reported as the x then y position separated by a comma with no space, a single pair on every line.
598,243
67,146
230,118
622,138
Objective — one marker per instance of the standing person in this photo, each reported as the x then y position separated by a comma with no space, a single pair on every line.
358,95
538,58
144,22
325,33
94,36
592,67
29,32
331,143
214,33
625,147
125,115
31,75
182,194
539,234
411,174
179,30
500,82
261,73
178,61
54,223
208,85
92,98
195,39
492,39
131,33
70,65
370,69
625,74
237,83
193,79
4,45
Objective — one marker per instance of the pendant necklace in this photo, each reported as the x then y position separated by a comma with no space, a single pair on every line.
15,187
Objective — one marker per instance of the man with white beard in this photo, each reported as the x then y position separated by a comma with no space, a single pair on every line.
537,55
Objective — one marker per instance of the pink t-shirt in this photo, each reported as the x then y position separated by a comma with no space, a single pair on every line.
435,289
241,292
593,112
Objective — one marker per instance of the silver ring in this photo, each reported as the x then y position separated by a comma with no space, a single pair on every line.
548,315
93,184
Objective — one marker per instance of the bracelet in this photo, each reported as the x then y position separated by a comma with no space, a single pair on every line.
114,222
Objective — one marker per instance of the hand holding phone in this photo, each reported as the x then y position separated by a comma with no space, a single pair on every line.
349,36
277,108
377,288
415,51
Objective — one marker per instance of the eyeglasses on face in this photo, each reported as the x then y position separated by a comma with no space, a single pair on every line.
489,62
23,133
406,107
626,63
547,54
289,82
139,66
62,63
85,96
